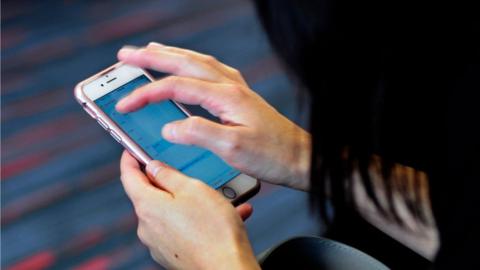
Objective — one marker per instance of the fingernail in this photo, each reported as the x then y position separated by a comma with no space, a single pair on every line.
168,131
130,47
153,167
126,51
156,44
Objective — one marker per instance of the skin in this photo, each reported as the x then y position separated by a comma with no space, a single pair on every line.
180,217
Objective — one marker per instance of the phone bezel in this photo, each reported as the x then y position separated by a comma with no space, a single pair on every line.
87,91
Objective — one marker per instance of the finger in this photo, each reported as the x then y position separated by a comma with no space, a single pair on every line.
166,177
220,67
201,132
169,62
214,97
193,54
134,181
245,210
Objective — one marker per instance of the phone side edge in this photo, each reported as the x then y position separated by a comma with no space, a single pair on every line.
84,101
247,195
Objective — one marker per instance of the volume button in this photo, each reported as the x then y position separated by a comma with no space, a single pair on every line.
115,136
102,123
90,112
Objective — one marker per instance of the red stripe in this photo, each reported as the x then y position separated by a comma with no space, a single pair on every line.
29,162
38,261
124,26
203,21
97,263
35,104
13,82
85,241
33,201
22,164
42,52
12,36
42,131
52,194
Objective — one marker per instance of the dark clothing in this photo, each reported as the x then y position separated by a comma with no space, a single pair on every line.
317,253
455,188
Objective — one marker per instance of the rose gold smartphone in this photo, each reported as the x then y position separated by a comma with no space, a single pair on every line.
140,131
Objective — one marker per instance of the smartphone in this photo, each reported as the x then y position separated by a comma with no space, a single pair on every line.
140,131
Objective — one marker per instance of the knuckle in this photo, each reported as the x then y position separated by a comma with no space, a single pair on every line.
238,93
141,210
169,84
141,234
209,59
196,183
195,120
232,146
150,51
155,257
163,173
170,80
152,45
123,178
191,126
235,88
235,72
143,52
238,90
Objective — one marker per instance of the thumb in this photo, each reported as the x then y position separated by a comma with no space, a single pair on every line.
198,131
165,177
245,210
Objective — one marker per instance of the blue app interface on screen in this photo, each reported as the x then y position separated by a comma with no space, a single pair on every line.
144,127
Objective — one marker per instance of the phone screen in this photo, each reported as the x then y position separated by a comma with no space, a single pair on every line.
144,127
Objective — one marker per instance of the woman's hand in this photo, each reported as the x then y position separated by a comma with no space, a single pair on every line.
184,223
253,136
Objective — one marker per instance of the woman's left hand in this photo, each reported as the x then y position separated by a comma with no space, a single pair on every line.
185,223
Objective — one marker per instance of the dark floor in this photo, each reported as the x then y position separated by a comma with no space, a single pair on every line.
62,204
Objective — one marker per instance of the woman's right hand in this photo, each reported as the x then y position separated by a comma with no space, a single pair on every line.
253,137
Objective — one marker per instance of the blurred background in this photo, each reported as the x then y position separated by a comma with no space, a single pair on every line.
62,205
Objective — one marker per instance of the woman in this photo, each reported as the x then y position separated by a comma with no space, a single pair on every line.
386,87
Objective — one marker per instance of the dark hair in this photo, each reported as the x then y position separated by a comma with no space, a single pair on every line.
335,51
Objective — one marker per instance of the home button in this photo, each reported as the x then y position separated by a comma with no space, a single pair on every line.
229,193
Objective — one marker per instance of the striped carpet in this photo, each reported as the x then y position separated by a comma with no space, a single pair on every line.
62,204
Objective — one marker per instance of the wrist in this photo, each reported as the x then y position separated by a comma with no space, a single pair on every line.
243,261
236,255
242,256
300,176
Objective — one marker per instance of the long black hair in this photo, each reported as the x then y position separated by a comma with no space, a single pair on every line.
342,54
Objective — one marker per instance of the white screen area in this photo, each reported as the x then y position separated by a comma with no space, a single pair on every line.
144,127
